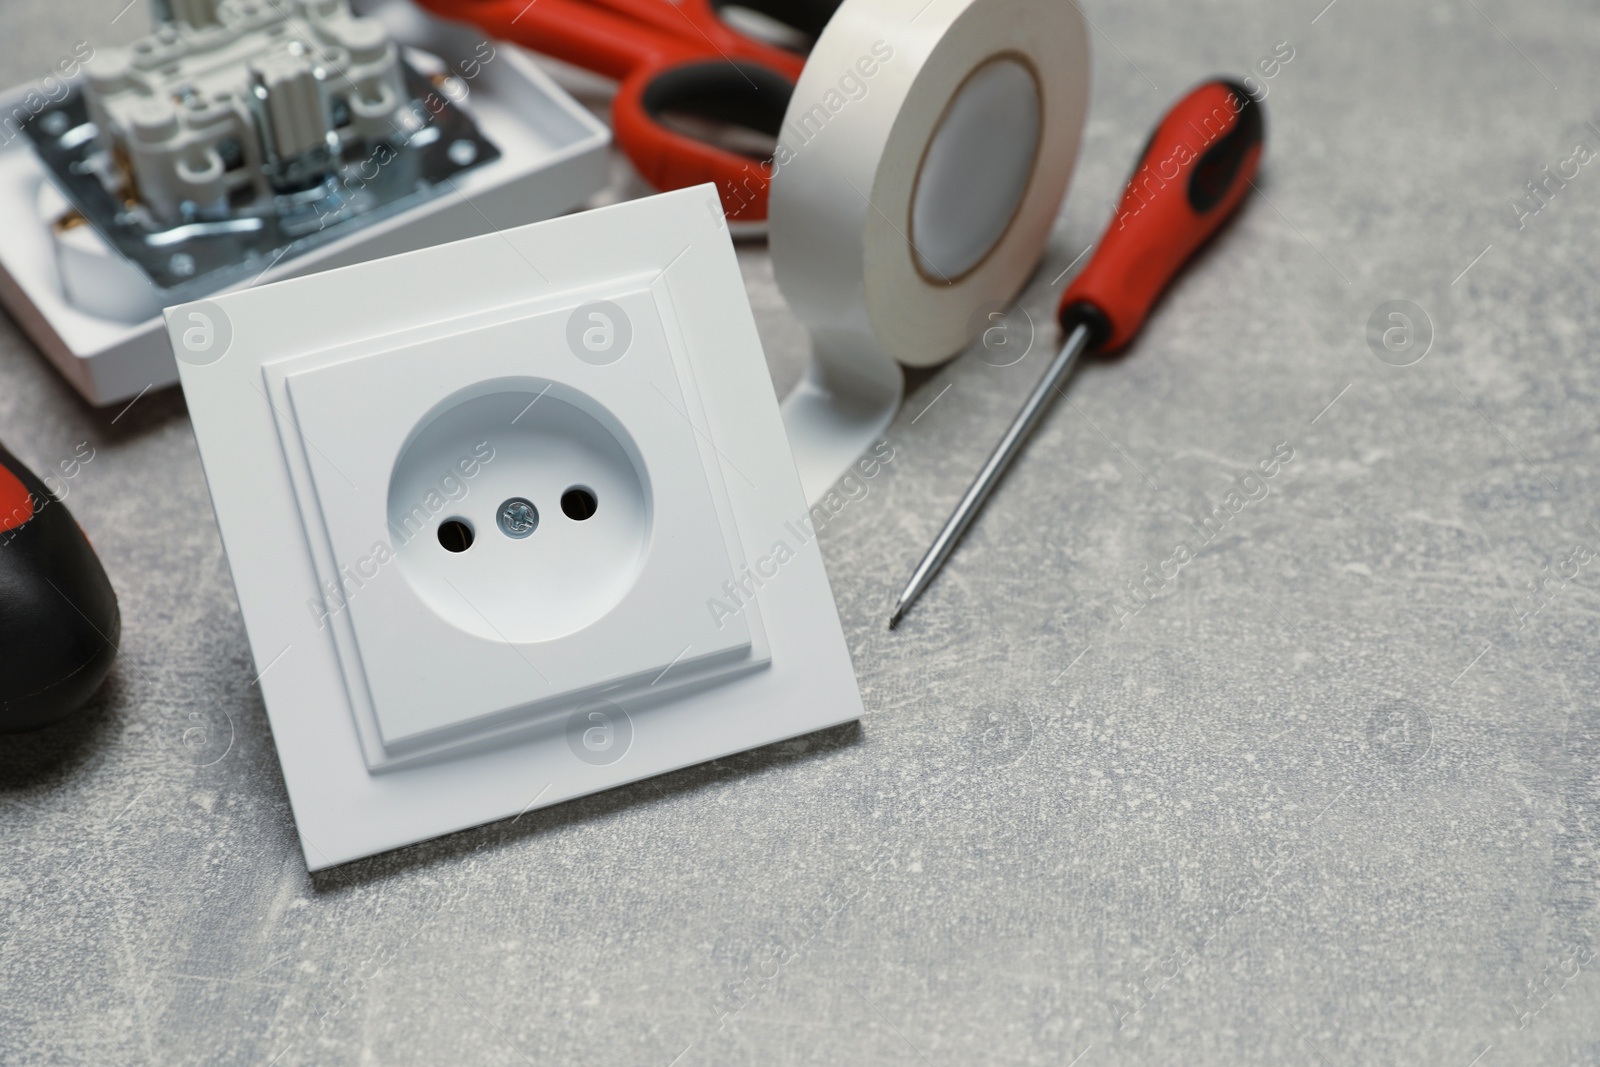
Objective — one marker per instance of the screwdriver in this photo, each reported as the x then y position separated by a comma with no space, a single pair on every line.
1193,173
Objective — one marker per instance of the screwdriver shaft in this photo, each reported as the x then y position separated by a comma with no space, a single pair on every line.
1004,452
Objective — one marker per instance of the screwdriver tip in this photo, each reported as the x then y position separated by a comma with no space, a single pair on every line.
894,620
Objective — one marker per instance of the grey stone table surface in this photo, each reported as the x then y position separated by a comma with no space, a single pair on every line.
1329,793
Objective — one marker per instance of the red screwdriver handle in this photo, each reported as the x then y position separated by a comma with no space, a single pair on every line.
1193,173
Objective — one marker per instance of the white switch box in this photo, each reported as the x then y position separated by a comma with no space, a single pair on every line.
511,520
104,331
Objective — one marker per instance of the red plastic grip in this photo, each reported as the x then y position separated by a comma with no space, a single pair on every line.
1191,176
642,44
16,502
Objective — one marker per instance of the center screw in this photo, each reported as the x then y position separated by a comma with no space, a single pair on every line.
518,517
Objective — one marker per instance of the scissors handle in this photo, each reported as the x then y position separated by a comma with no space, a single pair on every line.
697,22
668,57
734,80
737,92
587,36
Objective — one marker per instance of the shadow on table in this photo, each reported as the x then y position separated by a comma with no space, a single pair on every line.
42,758
664,788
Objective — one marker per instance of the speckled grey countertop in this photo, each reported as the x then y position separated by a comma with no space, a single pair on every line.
1324,798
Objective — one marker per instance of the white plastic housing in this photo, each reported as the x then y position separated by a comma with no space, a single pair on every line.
416,686
112,346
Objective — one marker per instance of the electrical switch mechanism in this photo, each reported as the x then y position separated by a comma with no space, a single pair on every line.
238,133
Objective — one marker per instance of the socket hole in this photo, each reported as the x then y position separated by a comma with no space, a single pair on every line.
578,503
455,535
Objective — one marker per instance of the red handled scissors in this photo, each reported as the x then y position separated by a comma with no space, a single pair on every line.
669,58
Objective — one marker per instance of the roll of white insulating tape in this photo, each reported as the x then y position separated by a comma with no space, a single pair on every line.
918,172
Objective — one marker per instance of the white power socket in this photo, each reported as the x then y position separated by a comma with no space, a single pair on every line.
570,609
528,519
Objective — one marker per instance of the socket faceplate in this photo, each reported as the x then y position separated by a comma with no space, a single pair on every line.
574,609
511,520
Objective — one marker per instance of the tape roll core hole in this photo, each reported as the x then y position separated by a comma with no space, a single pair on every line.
976,169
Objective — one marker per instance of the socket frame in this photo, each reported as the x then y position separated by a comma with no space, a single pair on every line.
775,667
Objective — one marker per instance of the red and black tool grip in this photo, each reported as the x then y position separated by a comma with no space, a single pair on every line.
1194,171
59,622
